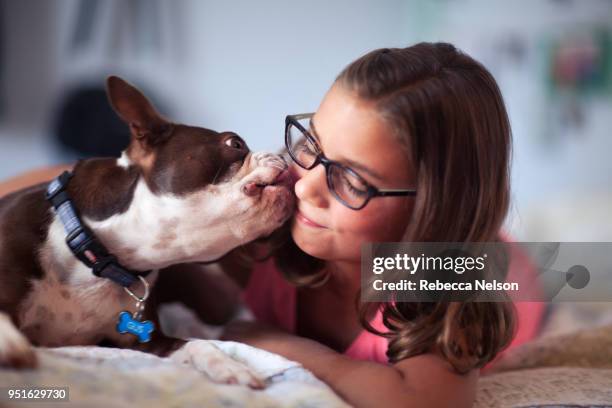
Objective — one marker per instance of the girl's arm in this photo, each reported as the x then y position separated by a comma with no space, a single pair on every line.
421,381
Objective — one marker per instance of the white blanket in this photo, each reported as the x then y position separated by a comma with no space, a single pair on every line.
105,377
108,377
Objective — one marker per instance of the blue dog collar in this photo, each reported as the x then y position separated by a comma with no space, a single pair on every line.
81,241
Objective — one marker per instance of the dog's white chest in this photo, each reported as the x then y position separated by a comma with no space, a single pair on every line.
71,306
57,313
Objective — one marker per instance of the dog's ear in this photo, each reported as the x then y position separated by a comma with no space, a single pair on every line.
146,124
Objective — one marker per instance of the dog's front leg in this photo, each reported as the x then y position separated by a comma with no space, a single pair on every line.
15,349
202,355
206,357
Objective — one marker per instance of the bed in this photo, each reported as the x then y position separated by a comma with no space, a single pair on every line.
567,368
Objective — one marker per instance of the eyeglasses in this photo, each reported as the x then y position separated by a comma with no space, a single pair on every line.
344,183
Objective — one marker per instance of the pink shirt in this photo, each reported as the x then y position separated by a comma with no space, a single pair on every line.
273,301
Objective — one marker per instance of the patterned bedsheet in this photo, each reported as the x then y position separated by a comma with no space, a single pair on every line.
105,377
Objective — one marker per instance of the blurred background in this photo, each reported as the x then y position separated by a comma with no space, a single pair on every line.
244,65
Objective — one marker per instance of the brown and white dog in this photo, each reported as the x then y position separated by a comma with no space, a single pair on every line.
177,194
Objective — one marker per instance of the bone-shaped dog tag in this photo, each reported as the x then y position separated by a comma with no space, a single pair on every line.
128,324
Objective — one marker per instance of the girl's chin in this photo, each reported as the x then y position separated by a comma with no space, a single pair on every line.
313,244
322,246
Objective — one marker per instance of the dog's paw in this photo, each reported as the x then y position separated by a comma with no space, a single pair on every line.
225,370
15,349
205,357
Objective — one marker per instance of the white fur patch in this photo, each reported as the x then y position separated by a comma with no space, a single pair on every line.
160,230
206,357
124,160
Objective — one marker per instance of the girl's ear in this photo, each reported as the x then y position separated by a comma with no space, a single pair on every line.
146,124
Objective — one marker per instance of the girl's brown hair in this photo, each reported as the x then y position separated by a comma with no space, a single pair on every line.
448,113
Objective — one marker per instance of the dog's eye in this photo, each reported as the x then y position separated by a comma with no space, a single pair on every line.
235,142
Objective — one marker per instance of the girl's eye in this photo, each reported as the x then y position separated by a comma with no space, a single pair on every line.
235,142
359,193
306,148
351,187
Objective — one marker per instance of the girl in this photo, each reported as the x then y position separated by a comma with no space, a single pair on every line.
409,144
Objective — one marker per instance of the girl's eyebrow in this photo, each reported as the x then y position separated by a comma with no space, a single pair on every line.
350,163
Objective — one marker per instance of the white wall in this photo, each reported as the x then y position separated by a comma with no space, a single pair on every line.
244,65
562,177
238,65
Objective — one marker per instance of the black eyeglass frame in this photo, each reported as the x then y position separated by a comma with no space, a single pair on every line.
371,190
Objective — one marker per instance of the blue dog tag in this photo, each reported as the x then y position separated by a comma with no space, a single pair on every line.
128,324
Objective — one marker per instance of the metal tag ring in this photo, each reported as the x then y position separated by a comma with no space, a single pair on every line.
146,293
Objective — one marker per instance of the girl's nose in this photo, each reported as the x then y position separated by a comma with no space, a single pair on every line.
310,185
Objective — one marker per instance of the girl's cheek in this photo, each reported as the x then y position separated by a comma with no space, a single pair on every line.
360,223
370,223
